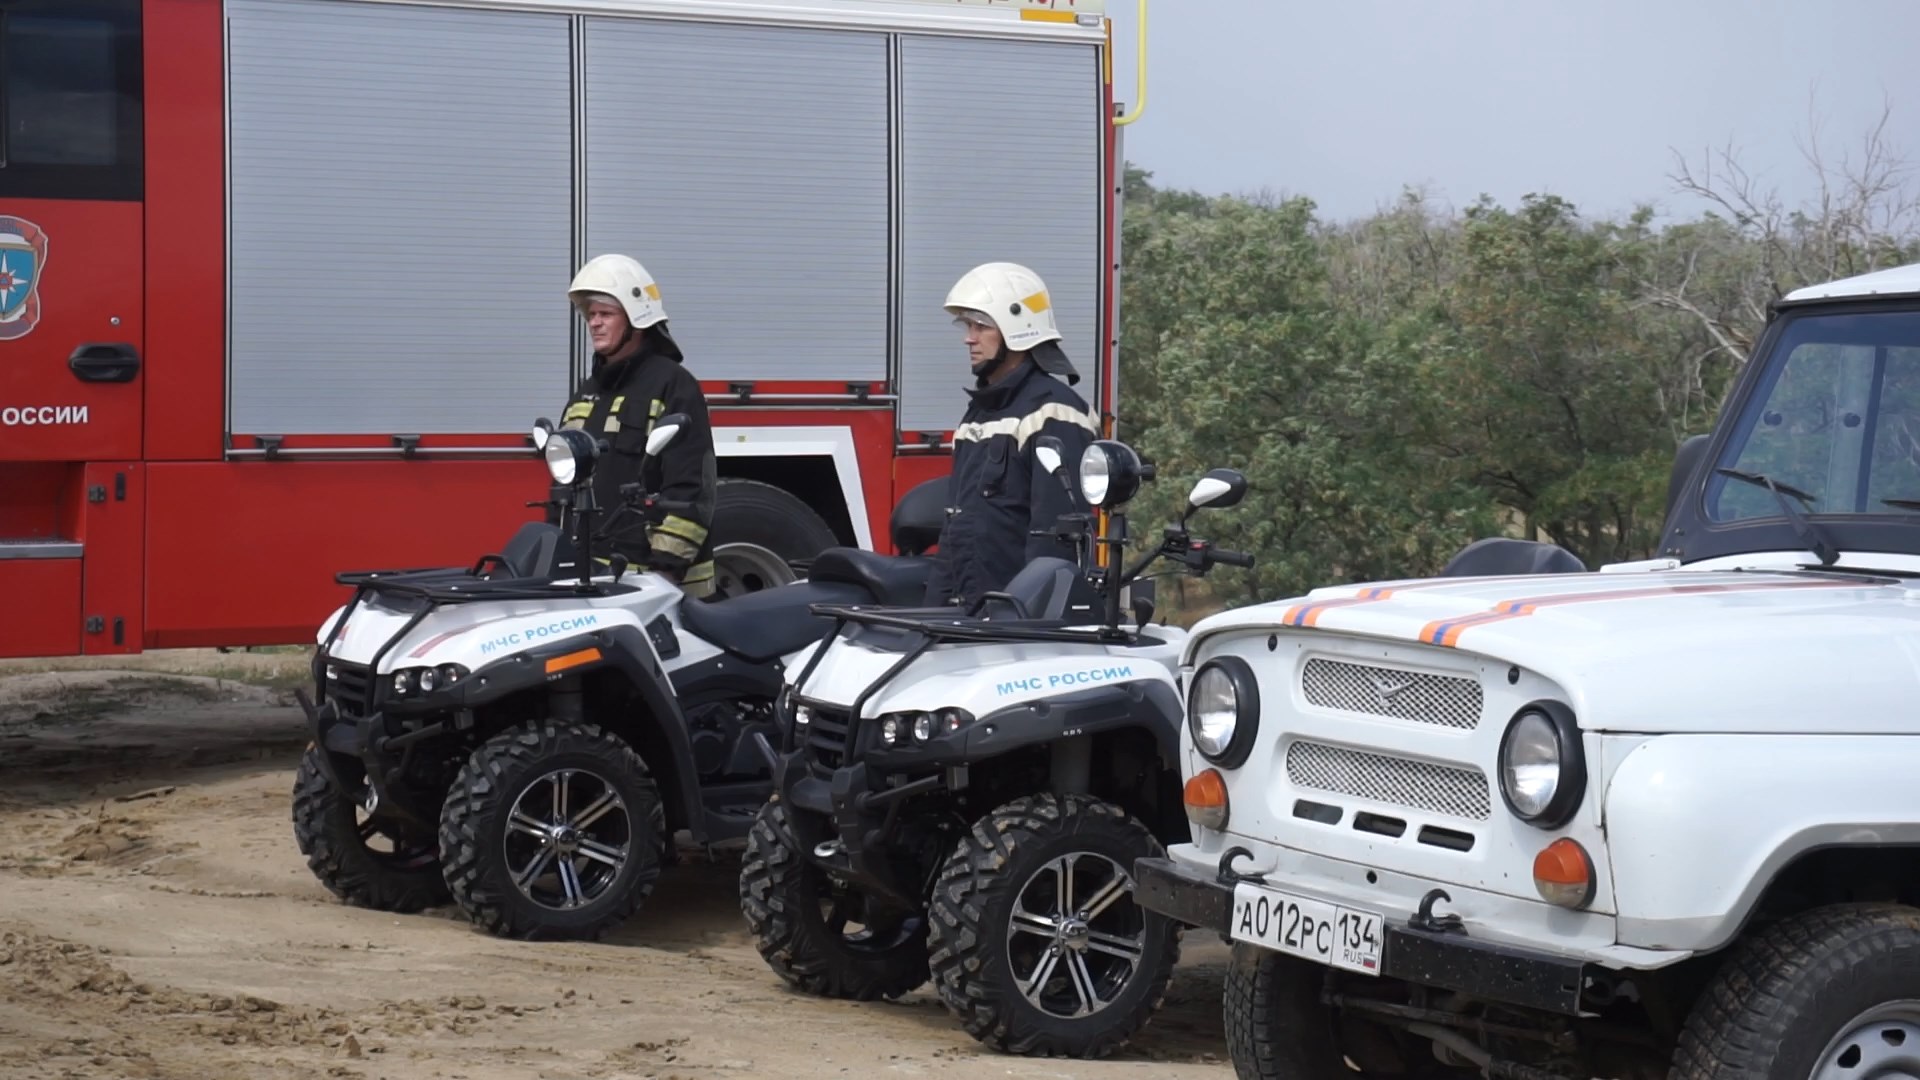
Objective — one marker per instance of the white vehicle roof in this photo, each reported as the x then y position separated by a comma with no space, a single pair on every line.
1893,281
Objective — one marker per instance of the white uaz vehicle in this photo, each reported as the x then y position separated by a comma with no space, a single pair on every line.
1658,821
527,739
962,795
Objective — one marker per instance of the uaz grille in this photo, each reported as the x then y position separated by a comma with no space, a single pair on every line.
1447,700
1422,785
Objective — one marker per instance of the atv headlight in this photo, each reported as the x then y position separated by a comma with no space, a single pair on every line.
1542,767
427,679
569,454
905,728
1223,711
1110,473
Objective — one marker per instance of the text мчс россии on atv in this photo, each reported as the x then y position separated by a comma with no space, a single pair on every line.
961,795
526,736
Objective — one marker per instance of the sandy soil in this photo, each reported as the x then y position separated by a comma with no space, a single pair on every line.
156,920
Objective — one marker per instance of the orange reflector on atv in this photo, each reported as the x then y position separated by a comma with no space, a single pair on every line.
572,660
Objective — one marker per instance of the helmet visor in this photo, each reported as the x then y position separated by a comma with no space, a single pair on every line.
973,320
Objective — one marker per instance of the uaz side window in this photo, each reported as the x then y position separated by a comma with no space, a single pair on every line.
70,99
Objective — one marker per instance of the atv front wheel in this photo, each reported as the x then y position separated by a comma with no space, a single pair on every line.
799,921
328,828
1038,945
552,830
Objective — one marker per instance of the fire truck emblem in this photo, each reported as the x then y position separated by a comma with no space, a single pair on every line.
23,255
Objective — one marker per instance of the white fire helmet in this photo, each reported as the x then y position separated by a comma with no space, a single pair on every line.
1012,296
626,281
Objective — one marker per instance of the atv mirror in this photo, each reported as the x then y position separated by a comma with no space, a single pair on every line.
542,428
665,430
1047,450
1220,489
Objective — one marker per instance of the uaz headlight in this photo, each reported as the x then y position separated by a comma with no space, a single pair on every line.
1223,711
1543,772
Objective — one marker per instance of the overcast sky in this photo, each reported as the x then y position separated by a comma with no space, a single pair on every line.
1348,100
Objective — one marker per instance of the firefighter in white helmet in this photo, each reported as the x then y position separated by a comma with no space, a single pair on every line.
998,494
638,376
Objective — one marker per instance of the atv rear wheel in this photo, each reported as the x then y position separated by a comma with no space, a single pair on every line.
329,828
799,922
1038,945
552,830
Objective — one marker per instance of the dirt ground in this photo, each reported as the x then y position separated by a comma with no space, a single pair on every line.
156,920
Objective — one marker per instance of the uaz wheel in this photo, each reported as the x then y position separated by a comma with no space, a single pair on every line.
552,830
1829,994
800,922
327,825
1038,945
1277,1028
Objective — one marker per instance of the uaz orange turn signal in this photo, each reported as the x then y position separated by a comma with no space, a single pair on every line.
1206,799
1563,873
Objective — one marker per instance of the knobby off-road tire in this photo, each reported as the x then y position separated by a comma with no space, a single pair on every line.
567,772
782,893
329,835
1000,870
1791,1001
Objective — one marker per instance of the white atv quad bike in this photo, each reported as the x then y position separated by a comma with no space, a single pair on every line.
528,739
962,795
1659,821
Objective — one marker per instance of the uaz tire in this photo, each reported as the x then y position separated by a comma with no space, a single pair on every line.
329,834
1825,994
552,830
1277,1028
781,894
1027,974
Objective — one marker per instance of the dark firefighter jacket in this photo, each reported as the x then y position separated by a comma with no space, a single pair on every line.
998,492
619,402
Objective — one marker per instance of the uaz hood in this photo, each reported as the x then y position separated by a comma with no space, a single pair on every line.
1663,651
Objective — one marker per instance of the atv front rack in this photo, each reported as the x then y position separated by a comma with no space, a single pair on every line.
935,625
434,587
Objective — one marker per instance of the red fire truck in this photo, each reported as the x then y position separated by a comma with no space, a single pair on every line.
282,282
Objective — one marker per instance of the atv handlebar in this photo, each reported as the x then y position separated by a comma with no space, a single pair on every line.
1230,558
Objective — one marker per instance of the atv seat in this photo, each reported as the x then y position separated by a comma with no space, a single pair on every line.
536,549
891,580
1048,588
1499,556
770,623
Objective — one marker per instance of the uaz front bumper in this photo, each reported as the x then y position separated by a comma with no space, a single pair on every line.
1426,950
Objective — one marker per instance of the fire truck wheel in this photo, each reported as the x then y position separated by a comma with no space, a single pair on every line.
758,530
800,922
404,877
552,830
1038,945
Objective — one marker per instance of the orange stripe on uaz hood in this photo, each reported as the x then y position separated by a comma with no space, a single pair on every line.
1447,631
1309,612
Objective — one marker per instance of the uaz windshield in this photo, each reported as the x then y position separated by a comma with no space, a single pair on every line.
1837,416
